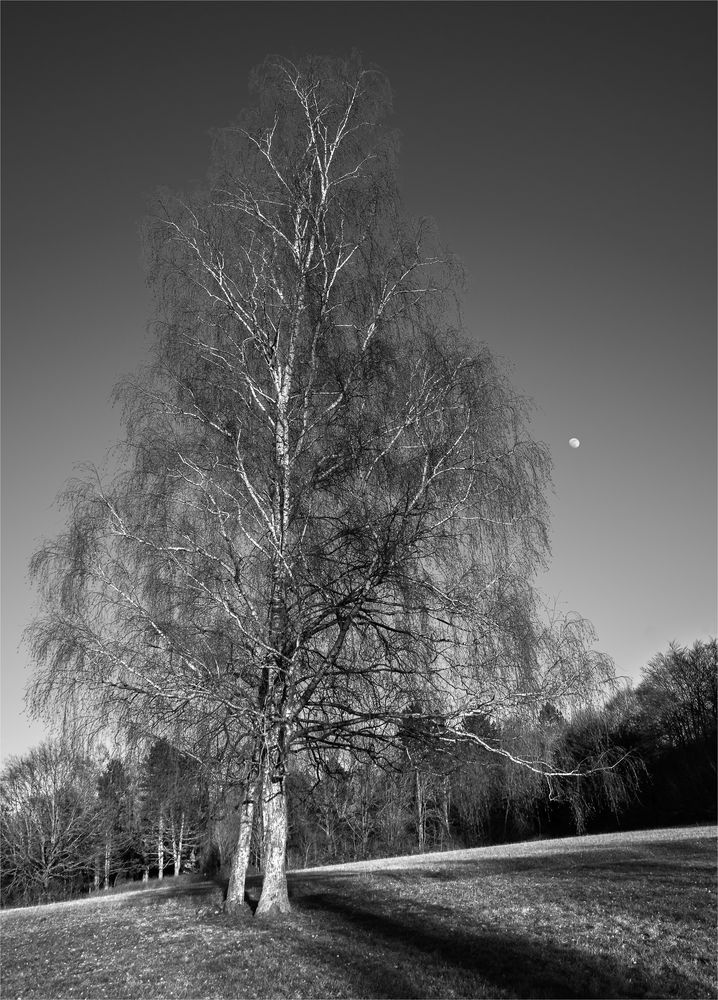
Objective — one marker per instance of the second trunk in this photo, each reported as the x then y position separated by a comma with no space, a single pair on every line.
274,899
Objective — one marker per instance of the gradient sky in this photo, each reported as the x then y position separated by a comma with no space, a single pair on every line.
567,153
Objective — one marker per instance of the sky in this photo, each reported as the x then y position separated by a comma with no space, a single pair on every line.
567,152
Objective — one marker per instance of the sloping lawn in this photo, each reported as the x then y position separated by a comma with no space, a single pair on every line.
625,916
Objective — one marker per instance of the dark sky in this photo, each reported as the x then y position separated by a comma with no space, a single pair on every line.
567,153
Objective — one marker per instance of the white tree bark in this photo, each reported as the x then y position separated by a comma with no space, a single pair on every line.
240,859
275,898
161,848
108,855
177,837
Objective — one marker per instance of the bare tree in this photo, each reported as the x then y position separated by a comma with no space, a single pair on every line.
678,694
332,508
114,820
48,822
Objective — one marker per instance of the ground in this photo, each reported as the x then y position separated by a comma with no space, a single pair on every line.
627,915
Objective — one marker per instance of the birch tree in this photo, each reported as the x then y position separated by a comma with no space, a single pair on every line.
331,507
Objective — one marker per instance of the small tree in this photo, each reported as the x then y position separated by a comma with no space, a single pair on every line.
48,822
171,806
114,820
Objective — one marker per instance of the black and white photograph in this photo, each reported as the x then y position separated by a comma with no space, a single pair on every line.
359,499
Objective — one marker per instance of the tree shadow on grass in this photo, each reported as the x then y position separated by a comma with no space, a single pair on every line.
485,963
191,891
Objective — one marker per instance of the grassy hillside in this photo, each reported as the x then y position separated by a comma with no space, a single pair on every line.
617,916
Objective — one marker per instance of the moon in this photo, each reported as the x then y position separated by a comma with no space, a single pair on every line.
574,442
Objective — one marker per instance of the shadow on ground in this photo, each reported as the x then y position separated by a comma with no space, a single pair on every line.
484,961
381,948
193,890
513,964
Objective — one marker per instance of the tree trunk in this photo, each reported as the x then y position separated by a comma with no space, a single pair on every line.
238,874
161,849
108,854
177,846
445,808
420,812
274,899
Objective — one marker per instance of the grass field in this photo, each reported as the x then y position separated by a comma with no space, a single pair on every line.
621,916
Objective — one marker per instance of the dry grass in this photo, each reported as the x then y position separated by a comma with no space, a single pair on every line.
621,917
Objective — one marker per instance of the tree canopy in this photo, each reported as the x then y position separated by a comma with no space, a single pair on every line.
330,508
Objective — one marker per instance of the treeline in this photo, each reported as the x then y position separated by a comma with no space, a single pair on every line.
74,821
646,758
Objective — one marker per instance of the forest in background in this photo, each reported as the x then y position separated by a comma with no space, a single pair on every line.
73,820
